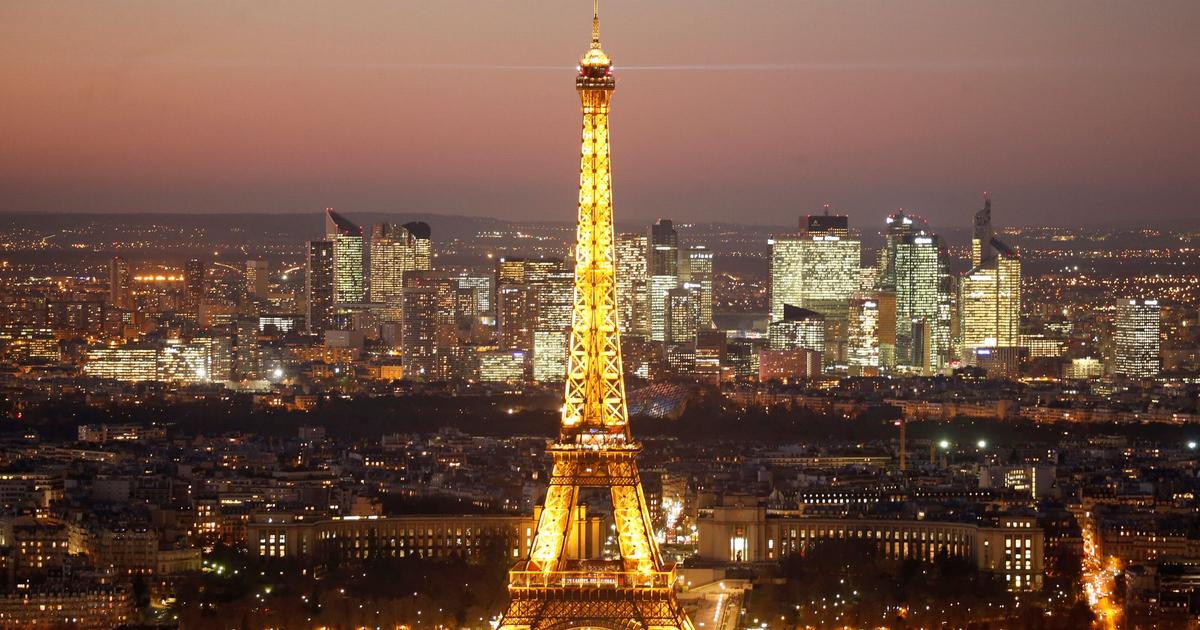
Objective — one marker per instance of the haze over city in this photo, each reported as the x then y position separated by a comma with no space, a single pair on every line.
1068,112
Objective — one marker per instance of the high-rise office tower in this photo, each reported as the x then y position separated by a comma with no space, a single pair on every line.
247,356
1137,338
193,284
120,283
662,266
682,315
922,302
886,299
430,331
422,243
831,267
347,239
258,279
393,254
482,287
696,272
516,315
818,269
631,284
989,297
519,285
710,354
787,264
318,286
982,233
799,328
555,301
862,353
899,227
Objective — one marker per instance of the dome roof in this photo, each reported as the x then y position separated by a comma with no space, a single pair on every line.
594,58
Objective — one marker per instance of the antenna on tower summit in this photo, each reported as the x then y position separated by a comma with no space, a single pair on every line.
595,23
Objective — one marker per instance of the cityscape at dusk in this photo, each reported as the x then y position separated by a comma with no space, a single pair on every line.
800,315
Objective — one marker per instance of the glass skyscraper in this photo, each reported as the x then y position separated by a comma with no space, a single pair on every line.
393,254
318,286
922,303
817,269
662,257
632,307
989,302
696,272
347,239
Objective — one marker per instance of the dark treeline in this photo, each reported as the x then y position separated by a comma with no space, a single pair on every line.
710,418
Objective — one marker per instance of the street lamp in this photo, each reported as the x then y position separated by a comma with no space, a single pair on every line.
981,444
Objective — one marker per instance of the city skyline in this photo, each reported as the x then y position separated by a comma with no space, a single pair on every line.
867,419
243,109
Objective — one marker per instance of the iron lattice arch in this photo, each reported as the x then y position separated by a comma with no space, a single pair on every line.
556,587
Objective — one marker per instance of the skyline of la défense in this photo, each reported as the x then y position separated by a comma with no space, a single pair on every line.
577,315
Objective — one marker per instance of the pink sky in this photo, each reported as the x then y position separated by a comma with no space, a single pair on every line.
1068,111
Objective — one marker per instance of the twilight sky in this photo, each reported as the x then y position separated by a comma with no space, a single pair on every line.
754,111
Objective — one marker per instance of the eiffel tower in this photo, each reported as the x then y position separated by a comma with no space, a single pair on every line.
553,589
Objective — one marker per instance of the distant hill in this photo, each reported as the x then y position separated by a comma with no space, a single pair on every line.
245,228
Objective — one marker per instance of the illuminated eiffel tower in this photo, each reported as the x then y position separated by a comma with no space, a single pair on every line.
553,588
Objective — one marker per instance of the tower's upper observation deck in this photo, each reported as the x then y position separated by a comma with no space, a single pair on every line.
595,68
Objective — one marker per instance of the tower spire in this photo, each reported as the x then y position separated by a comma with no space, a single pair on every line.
595,23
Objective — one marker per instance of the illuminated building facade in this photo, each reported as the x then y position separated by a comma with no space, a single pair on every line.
1084,368
422,244
787,263
520,285
696,273
193,283
482,288
430,331
183,363
122,363
201,360
915,269
662,260
502,366
516,315
1137,338
818,269
710,354
788,365
862,353
989,295
1010,546
83,604
347,239
683,315
318,286
799,328
552,326
825,264
631,284
561,583
120,283
363,538
393,254
258,279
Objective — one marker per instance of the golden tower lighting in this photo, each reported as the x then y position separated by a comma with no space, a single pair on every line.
555,587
